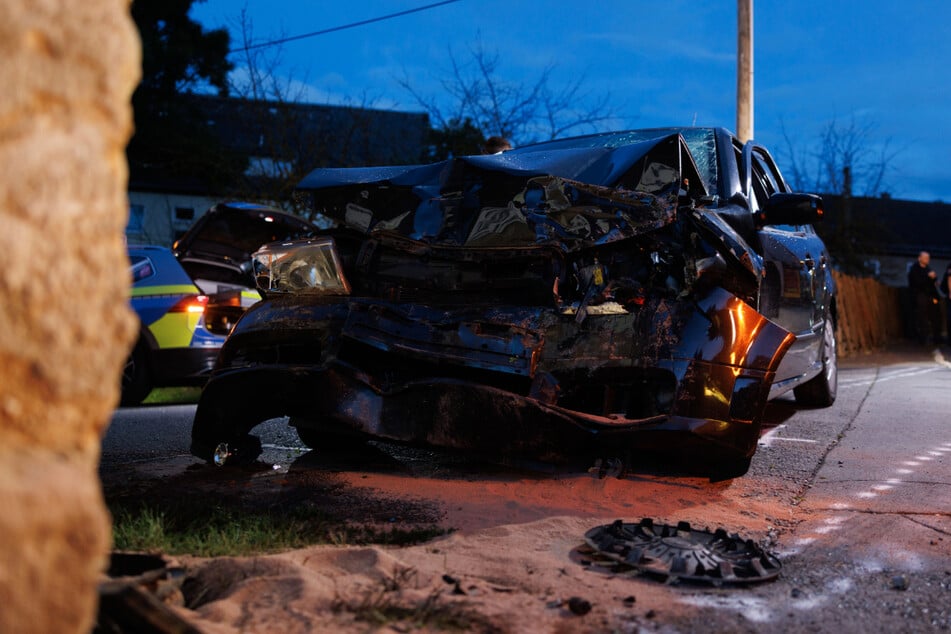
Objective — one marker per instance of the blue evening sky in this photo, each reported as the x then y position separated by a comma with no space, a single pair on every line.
884,64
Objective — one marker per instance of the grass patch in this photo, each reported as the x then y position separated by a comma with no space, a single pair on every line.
211,530
173,396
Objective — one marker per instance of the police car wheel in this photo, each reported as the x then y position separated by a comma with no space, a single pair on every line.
136,381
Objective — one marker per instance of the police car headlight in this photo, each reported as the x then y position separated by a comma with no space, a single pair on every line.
305,266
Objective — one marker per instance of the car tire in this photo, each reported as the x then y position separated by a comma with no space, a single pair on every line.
136,376
820,391
729,468
321,439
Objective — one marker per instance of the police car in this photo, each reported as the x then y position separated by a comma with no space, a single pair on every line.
174,347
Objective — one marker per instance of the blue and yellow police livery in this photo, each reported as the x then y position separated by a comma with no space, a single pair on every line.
174,346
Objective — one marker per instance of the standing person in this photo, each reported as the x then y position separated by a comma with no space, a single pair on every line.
945,287
922,282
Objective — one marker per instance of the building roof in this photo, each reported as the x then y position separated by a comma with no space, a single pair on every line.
295,138
890,226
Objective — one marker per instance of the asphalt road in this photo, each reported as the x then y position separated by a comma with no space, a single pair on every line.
855,500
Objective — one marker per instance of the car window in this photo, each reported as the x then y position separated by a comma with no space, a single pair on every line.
141,267
766,183
765,173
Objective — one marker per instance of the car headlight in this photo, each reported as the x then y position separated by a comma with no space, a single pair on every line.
306,266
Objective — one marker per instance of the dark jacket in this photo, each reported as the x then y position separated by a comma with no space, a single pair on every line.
944,284
920,282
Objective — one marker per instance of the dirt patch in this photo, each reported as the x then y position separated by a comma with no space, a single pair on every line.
389,486
510,564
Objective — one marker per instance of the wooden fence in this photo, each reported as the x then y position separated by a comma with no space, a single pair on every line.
869,314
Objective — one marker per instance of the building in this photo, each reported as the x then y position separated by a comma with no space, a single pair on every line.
887,233
885,236
275,145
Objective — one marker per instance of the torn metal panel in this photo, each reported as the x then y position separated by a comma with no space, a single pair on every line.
577,198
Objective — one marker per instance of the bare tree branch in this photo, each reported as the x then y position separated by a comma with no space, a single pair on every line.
821,166
474,90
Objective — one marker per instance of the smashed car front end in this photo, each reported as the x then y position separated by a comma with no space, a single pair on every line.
576,321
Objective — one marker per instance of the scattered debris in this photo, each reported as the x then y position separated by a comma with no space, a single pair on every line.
579,606
604,467
457,589
137,594
575,605
677,553
899,582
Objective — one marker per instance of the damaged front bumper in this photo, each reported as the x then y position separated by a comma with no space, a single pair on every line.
505,382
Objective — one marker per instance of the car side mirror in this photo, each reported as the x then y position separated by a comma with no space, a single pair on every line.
791,209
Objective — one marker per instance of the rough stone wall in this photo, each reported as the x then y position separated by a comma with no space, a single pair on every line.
67,74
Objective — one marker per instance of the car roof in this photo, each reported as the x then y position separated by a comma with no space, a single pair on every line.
704,144
623,134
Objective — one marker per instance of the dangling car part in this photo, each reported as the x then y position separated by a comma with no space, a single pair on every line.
216,252
583,298
681,553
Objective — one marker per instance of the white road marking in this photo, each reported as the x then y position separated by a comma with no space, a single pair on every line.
767,439
900,374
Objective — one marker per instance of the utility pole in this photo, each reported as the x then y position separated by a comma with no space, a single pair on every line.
744,70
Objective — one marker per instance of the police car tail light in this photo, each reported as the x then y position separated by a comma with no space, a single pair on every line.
228,298
190,304
305,266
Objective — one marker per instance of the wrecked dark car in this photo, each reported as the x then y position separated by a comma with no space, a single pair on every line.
583,298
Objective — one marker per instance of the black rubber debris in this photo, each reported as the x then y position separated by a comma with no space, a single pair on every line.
681,553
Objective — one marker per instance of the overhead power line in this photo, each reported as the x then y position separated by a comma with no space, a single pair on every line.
342,27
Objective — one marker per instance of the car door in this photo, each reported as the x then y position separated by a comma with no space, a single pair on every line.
793,292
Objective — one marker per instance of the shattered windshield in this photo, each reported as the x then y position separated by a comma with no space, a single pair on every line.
700,141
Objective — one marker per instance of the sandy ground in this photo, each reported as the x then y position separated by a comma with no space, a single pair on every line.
514,561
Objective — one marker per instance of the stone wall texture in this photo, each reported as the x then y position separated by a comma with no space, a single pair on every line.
68,71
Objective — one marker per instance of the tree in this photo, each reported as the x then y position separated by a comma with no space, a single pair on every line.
843,157
291,137
179,57
475,97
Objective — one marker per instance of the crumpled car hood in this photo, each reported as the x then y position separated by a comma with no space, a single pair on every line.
574,198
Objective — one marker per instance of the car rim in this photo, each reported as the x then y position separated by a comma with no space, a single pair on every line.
830,357
681,552
128,372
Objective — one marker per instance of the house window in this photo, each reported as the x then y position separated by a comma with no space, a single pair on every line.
136,219
186,214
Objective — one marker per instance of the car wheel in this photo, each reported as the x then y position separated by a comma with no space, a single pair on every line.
820,391
136,377
326,440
